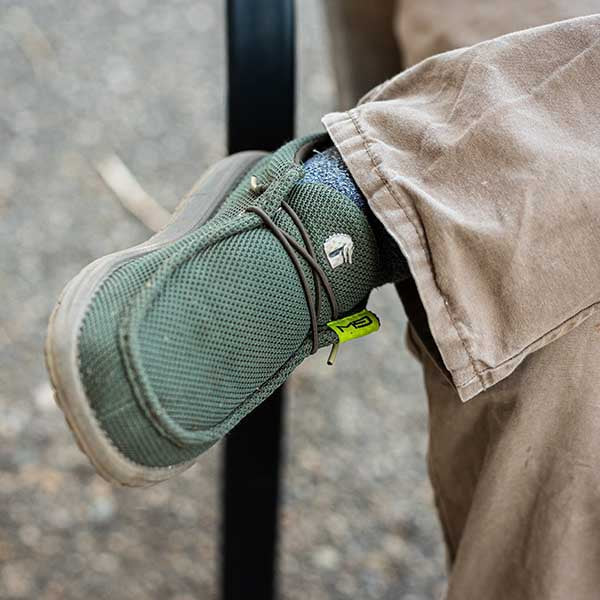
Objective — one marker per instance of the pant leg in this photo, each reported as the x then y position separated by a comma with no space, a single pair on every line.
481,164
516,478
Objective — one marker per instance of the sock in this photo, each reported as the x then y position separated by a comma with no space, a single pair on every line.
328,168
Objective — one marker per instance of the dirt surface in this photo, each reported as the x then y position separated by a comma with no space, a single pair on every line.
145,80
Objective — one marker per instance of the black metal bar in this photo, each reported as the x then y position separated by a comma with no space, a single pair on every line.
261,90
261,86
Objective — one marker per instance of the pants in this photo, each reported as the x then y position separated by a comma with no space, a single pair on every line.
483,163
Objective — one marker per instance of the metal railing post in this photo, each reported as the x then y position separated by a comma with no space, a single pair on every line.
261,99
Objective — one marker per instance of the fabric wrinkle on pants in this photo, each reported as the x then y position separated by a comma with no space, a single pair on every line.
482,163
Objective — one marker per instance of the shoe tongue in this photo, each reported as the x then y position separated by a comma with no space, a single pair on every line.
295,152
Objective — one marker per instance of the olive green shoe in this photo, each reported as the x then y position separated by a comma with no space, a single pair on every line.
157,351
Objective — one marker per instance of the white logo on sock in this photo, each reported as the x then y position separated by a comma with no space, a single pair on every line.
338,249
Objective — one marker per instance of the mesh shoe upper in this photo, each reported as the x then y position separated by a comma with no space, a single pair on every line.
178,345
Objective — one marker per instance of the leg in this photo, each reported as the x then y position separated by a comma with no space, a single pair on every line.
488,127
478,167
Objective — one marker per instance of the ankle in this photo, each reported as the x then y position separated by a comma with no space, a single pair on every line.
328,168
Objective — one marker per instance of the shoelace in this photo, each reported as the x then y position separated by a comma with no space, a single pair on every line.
319,276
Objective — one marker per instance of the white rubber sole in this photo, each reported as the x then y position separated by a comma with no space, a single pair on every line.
61,349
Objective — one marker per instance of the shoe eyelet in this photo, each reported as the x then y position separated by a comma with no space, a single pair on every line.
257,188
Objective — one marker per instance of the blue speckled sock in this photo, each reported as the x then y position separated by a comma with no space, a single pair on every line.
328,168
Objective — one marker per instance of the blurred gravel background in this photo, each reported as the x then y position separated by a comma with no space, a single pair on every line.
145,80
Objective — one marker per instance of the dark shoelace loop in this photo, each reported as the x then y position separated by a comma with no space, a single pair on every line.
308,254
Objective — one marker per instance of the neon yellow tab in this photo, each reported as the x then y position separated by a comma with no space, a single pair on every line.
354,326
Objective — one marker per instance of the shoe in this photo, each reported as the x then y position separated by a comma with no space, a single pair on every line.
157,351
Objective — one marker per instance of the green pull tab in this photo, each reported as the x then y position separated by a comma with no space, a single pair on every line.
355,326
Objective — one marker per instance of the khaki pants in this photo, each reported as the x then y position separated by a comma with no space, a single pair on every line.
484,164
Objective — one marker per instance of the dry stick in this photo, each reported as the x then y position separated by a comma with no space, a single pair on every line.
130,193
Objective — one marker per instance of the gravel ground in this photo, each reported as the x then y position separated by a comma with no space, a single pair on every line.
145,80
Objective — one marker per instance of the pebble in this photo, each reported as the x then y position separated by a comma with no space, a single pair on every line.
326,557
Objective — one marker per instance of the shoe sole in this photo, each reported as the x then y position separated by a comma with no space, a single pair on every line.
61,348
